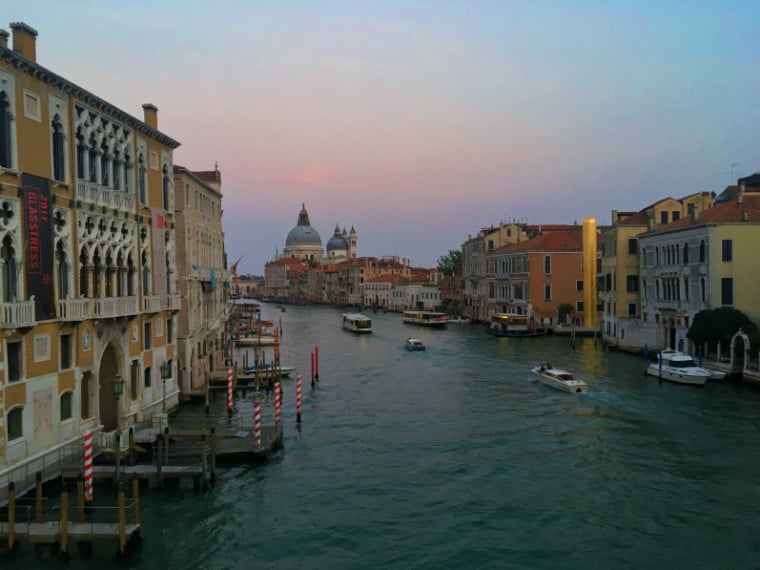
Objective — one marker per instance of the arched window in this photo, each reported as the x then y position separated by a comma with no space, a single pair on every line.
165,188
8,255
93,155
146,377
61,271
85,411
84,288
81,174
703,289
116,166
59,171
97,270
6,145
141,172
685,253
104,164
15,423
145,274
66,407
702,251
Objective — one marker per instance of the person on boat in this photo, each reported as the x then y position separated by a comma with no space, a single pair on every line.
542,368
548,365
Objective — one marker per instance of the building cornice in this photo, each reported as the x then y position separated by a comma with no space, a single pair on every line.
45,75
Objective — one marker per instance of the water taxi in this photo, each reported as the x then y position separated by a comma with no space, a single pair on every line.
512,324
425,318
357,323
413,344
559,379
678,367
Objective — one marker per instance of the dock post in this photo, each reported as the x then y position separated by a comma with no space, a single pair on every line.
38,497
136,498
64,541
159,458
203,461
11,515
312,369
80,497
257,420
316,362
277,403
166,445
131,445
117,457
298,398
229,392
122,520
212,457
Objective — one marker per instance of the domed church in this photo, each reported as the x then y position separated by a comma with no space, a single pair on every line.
303,242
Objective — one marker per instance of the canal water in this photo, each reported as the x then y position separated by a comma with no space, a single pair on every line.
455,458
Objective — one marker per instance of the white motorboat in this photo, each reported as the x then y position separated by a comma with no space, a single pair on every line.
413,344
284,371
559,379
356,322
678,367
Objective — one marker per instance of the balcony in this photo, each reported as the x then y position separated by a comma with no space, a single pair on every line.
75,309
171,302
110,307
17,314
151,304
104,196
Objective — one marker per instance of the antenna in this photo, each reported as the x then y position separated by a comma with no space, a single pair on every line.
731,173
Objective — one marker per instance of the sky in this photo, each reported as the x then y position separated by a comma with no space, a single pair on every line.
419,123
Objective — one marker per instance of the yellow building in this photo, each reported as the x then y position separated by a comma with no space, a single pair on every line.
619,282
87,270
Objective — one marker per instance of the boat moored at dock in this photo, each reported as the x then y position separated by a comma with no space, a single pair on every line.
680,368
513,324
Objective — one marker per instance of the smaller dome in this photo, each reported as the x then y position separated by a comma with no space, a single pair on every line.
337,241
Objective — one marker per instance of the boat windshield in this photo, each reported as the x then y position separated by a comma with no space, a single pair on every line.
683,363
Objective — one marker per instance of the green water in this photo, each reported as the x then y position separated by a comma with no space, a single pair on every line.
455,458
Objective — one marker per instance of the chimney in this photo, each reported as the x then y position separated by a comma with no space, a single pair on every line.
745,215
150,114
24,40
4,38
692,213
740,194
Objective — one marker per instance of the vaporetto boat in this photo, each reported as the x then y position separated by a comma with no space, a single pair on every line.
425,318
356,322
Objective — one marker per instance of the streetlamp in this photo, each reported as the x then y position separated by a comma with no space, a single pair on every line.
166,372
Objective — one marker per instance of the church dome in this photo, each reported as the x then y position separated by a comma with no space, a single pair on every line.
303,233
337,241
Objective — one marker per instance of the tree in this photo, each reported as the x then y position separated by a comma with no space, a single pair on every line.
720,325
451,263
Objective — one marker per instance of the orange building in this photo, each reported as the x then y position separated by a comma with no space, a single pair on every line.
536,276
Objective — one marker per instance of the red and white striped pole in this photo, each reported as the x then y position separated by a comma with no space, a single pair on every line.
257,421
276,403
229,391
298,398
88,465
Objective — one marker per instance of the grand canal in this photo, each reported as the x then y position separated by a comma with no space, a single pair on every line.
455,458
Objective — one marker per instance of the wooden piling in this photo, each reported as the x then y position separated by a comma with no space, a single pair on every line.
38,497
122,520
11,515
80,497
64,538
136,499
117,458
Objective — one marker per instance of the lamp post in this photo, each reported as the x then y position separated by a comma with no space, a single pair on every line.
166,372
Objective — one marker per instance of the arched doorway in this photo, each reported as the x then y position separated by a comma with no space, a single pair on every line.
109,411
739,352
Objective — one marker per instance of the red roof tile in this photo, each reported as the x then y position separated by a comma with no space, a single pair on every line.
550,241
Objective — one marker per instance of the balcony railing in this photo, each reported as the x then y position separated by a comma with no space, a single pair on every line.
109,307
151,303
104,196
17,314
171,302
75,309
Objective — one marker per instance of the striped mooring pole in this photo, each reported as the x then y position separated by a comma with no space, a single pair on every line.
88,465
276,403
312,368
229,391
257,420
298,398
316,362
